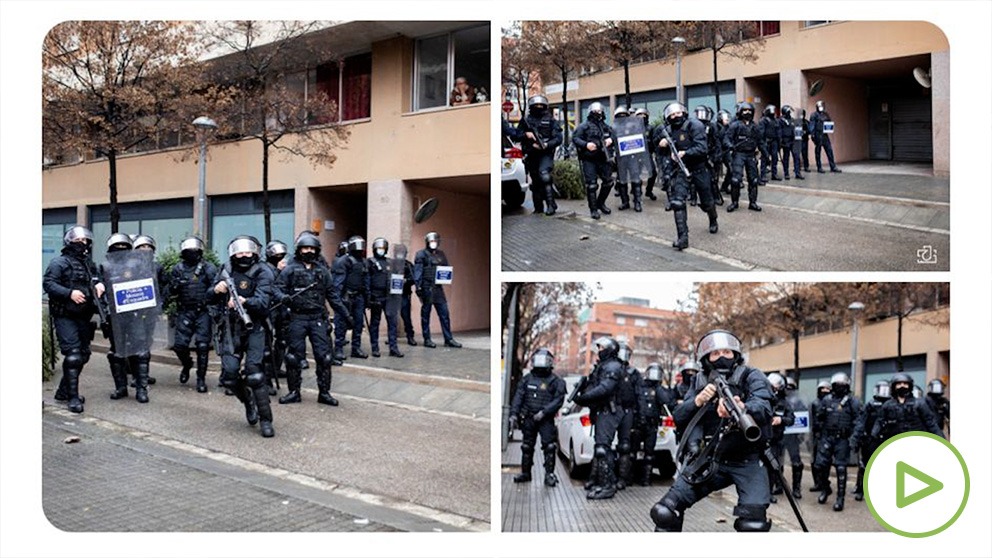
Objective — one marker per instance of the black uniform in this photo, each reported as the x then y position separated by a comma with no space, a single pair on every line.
627,396
790,147
714,158
726,157
540,162
742,139
783,410
791,444
72,271
303,290
431,294
941,408
379,283
821,140
691,138
833,425
866,442
405,303
601,396
191,283
738,461
769,129
596,165
897,417
537,399
804,144
275,335
242,342
651,399
652,150
351,282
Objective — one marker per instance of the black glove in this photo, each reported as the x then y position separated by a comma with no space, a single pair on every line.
349,321
580,399
513,422
421,294
538,416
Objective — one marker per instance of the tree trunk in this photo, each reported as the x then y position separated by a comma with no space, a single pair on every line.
266,207
115,214
899,367
716,83
626,82
795,355
564,109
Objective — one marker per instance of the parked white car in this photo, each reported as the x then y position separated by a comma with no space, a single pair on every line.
576,443
514,189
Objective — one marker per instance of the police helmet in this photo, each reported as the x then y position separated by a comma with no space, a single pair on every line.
356,244
692,366
274,249
840,383
307,241
621,112
882,389
642,112
745,110
820,106
786,111
703,113
901,377
606,346
596,109
537,101
77,233
380,243
936,386
823,385
625,352
802,113
716,340
191,244
769,110
673,110
432,236
654,372
543,359
306,233
342,247
791,384
723,117
119,241
144,240
243,243
777,381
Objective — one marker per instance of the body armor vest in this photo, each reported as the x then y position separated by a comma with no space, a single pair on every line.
193,284
627,389
354,279
379,276
648,402
838,415
538,392
298,279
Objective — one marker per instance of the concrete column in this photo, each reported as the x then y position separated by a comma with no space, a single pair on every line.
792,89
82,216
302,203
390,211
940,95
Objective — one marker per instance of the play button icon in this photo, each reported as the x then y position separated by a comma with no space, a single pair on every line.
903,470
900,474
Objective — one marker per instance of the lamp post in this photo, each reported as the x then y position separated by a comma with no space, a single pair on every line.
679,42
855,308
205,127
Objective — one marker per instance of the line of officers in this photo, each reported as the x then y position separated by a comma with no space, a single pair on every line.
714,452
258,312
707,149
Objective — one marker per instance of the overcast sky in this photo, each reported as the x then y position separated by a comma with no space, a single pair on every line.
662,294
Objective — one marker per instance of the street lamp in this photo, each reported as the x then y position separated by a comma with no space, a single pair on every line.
855,308
679,43
205,127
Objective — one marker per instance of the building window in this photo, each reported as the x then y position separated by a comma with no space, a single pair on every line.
640,322
443,60
763,29
348,83
808,24
621,320
167,221
54,223
242,214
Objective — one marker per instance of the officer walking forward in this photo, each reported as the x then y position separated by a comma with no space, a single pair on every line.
538,397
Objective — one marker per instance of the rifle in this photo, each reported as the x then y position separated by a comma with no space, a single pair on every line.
541,144
98,301
292,296
233,292
743,420
578,387
675,151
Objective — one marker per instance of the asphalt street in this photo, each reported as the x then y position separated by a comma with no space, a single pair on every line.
403,451
834,222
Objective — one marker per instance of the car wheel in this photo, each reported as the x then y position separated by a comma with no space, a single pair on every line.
513,195
575,471
665,465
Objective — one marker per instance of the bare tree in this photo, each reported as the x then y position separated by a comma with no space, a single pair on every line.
626,42
262,94
904,299
733,39
516,69
111,86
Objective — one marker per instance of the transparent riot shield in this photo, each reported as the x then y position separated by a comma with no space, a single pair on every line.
633,160
135,303
397,265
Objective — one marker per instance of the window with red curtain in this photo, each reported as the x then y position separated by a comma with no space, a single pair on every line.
356,87
328,77
770,28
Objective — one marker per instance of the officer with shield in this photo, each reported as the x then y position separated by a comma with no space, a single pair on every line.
72,284
537,399
190,282
768,129
540,135
716,450
601,396
791,441
116,358
381,271
430,273
302,287
821,127
147,318
351,280
690,148
593,141
645,116
835,417
634,165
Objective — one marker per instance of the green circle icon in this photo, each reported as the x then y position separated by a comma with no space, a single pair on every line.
902,470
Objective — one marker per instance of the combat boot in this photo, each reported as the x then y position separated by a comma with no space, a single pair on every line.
825,490
201,370
841,488
526,464
522,477
251,408
624,197
797,481
637,198
72,386
591,200
859,492
550,479
714,226
682,229
264,408
324,387
293,396
625,466
141,378
606,487
550,205
549,466
187,363
119,375
604,194
359,353
326,398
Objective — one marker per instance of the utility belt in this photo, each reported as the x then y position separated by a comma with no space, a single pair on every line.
839,432
198,307
309,314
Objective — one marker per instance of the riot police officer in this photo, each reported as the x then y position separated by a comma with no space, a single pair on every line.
789,129
541,135
71,282
822,390
190,282
118,362
593,141
782,417
600,395
139,364
717,451
791,441
380,275
834,423
713,152
769,130
407,299
537,399
276,253
722,124
652,398
243,336
904,412
804,143
742,139
821,138
939,404
430,293
627,391
689,135
863,429
652,148
303,287
687,373
351,281
623,188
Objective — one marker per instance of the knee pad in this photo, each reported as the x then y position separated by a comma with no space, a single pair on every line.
144,357
526,448
677,204
624,448
666,517
229,378
74,360
744,525
545,177
735,182
591,187
601,452
550,448
327,360
202,346
291,360
255,379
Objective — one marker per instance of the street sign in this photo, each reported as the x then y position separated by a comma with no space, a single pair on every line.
507,106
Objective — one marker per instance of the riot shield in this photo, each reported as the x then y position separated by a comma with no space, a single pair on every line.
633,161
397,265
133,292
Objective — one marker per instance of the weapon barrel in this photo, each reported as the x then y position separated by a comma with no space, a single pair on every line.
744,421
675,152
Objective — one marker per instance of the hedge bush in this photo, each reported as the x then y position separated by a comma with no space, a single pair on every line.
49,348
168,259
568,178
